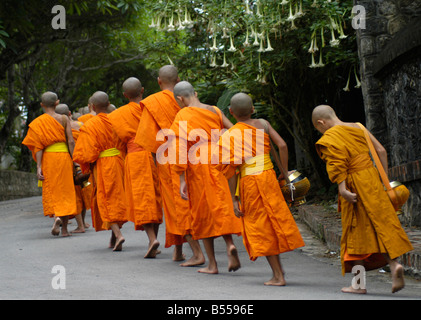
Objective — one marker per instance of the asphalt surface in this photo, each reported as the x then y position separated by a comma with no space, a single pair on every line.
29,254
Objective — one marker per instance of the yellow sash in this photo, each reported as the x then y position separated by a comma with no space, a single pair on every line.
113,152
59,147
255,166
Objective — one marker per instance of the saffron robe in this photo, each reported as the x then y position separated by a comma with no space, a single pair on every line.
108,204
83,194
158,114
141,176
268,226
58,192
85,118
371,226
211,209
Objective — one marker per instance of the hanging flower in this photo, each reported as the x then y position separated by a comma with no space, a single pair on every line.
232,47
258,10
311,49
256,40
356,79
224,33
284,2
261,49
247,43
213,62
152,25
269,48
320,64
291,17
347,83
313,63
180,24
214,48
248,11
171,26
341,32
225,64
315,47
333,42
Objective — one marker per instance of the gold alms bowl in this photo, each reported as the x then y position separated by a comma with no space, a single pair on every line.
302,186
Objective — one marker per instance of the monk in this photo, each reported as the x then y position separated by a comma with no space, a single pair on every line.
141,177
89,112
211,208
269,228
51,142
83,193
99,147
372,235
158,115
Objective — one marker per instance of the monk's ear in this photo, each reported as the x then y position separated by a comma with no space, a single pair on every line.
57,103
252,110
125,95
231,111
143,90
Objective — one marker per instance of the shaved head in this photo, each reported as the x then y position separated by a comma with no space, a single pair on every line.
132,88
100,101
184,89
63,109
49,99
168,75
323,112
241,105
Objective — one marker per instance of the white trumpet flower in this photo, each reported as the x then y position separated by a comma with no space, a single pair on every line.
180,24
291,17
247,43
213,62
225,64
261,49
313,63
311,49
269,48
171,26
320,64
333,42
357,80
152,25
284,2
214,48
224,33
346,89
232,47
256,40
248,11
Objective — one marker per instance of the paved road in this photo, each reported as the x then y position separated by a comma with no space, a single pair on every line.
93,271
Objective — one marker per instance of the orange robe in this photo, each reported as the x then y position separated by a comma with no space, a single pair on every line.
141,176
158,114
85,118
58,192
109,203
211,209
369,227
268,226
83,194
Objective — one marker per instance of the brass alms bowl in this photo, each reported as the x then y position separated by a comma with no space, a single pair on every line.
301,185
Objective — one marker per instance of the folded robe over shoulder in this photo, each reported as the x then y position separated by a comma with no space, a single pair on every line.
268,225
141,176
158,114
58,192
369,227
109,202
211,208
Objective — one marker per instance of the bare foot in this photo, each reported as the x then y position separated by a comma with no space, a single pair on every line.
352,290
119,244
193,261
55,231
208,270
87,225
398,282
233,259
152,252
276,282
112,241
78,230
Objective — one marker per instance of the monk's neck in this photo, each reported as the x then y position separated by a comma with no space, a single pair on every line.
136,100
50,111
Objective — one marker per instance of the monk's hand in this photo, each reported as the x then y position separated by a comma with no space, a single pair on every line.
183,190
238,213
40,176
349,196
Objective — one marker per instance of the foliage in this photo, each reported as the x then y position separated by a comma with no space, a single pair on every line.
289,55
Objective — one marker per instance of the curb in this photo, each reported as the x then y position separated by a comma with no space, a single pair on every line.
326,226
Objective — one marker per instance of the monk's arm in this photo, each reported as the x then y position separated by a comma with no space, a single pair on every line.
232,182
282,146
226,122
381,152
345,193
70,140
39,155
